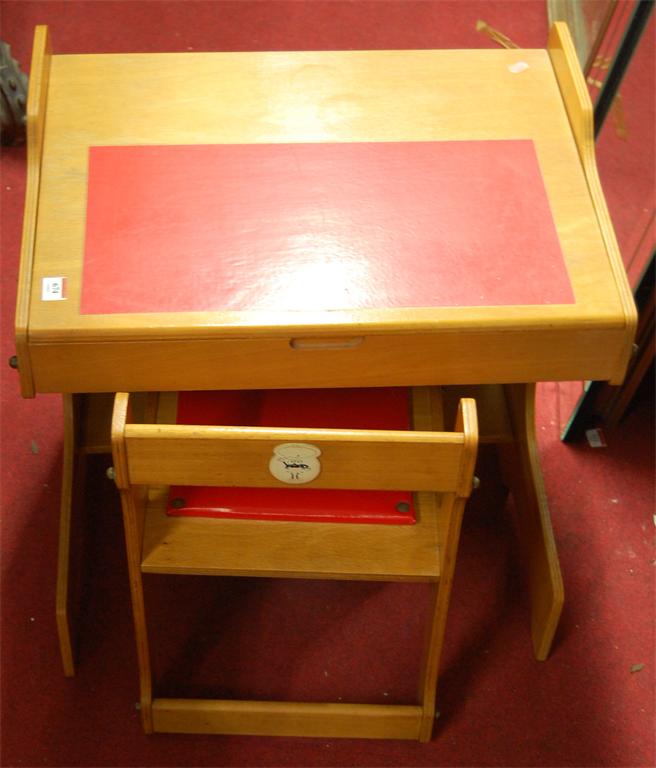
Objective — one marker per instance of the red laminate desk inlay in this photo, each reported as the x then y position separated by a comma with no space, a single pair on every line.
384,408
336,226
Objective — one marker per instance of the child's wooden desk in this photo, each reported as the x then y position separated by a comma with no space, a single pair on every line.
323,219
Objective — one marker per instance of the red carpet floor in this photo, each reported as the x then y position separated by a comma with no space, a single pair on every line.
589,705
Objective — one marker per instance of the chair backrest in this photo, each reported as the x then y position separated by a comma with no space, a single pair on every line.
173,454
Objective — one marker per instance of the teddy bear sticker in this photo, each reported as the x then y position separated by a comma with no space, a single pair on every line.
295,463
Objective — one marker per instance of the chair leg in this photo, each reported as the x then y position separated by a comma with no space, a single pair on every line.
430,665
145,674
521,468
452,511
132,515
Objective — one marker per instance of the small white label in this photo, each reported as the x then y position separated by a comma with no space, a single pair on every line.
518,66
295,463
52,289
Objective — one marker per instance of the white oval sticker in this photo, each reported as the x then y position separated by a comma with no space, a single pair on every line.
518,66
295,463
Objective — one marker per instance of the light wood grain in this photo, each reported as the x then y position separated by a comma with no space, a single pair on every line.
237,547
121,413
521,468
37,99
491,408
86,428
72,480
95,418
576,99
239,456
451,508
133,505
469,355
95,422
133,501
275,718
466,424
201,546
318,96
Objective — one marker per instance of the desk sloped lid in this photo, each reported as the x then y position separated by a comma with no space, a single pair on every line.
319,226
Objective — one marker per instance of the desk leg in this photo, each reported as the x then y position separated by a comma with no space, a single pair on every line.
521,468
87,422
68,561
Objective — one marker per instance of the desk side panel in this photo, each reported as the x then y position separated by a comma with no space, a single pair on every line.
578,106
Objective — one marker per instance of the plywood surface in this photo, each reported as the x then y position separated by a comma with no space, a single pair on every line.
194,545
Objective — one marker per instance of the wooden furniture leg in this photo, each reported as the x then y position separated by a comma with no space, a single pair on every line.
87,419
67,560
133,504
440,598
521,468
507,421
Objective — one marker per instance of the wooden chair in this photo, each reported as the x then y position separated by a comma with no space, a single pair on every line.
436,465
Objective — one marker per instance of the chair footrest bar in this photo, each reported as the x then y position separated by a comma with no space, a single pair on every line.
273,718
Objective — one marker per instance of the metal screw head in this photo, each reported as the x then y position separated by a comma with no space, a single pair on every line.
178,503
476,483
13,362
111,474
403,506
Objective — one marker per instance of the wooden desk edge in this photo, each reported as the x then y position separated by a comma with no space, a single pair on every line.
579,111
36,113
